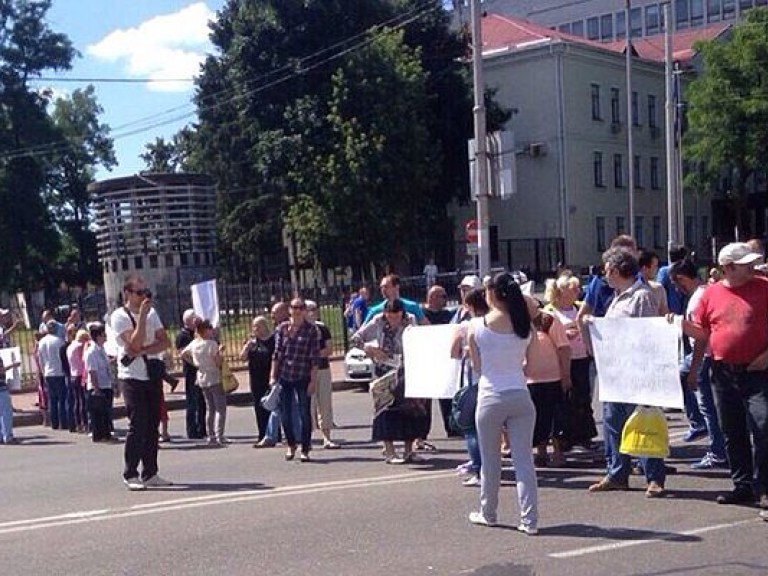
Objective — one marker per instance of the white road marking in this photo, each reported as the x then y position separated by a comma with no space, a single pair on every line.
81,517
629,543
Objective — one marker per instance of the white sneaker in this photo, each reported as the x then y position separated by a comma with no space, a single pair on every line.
157,482
526,529
134,484
478,518
473,480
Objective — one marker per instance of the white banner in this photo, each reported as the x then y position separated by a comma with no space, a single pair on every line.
205,301
430,372
12,377
637,361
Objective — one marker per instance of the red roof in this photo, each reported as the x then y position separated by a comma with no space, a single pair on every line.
500,32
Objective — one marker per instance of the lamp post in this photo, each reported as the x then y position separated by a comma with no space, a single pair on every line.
630,122
481,146
673,216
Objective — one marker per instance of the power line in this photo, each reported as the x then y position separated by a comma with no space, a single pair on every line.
110,80
296,70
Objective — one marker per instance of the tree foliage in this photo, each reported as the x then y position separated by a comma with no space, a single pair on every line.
47,156
727,138
347,135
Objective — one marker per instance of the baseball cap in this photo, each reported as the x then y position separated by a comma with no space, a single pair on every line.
471,281
737,253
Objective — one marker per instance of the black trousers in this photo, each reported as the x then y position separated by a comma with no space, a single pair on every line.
142,404
259,387
547,398
195,407
100,414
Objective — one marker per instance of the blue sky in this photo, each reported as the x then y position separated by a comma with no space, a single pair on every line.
135,39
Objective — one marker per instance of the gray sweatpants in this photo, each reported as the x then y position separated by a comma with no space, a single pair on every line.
216,400
514,409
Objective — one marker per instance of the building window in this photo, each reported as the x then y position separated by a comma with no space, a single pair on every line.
729,9
761,2
638,175
657,232
615,106
618,171
153,261
596,102
114,265
196,258
682,18
697,12
636,22
621,227
597,165
183,259
690,230
652,19
606,27
745,4
704,228
639,236
621,25
124,264
593,28
577,28
635,109
600,233
169,261
652,121
713,10
138,262
564,28
654,173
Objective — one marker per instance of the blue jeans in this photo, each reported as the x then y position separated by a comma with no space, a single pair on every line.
57,402
295,392
619,466
6,416
473,448
695,418
707,407
742,406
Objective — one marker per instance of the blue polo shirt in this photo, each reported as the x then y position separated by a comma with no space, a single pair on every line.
598,296
675,300
410,306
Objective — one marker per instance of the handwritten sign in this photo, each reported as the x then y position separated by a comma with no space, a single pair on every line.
637,361
205,301
430,372
12,377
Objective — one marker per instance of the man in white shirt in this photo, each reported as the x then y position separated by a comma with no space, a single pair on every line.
49,351
140,336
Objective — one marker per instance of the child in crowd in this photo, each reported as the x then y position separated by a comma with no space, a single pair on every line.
98,378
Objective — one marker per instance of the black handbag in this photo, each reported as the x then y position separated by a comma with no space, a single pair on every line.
464,405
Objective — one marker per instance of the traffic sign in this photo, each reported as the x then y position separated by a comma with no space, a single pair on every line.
470,231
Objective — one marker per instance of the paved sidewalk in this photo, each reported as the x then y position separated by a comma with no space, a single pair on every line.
27,413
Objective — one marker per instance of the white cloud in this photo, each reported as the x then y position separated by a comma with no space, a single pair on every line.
166,46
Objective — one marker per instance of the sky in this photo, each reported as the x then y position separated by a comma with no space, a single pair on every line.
157,39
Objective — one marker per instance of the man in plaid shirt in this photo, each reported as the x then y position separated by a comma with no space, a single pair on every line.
294,367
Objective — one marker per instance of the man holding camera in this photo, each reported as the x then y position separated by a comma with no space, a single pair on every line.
140,335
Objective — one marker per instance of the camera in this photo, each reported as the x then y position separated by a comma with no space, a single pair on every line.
126,360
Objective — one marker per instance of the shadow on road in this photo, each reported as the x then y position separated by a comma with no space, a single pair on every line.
214,487
592,531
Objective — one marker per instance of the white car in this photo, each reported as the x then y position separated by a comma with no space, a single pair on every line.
357,366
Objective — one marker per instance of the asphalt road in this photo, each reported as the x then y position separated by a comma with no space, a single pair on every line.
64,510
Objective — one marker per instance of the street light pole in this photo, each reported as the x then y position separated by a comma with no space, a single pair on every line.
630,122
673,217
481,145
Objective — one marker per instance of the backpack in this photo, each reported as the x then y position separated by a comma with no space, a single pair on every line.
464,405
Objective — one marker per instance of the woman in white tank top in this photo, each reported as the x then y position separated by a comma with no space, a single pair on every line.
498,345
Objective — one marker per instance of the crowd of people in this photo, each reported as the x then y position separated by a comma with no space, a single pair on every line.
530,361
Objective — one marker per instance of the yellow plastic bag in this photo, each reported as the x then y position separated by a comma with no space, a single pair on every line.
645,434
228,380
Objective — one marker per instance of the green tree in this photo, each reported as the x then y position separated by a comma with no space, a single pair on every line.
727,137
161,156
83,143
28,47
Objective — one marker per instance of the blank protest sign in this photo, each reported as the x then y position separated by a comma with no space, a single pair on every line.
430,372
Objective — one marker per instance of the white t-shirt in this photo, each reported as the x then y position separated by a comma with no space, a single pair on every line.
95,360
203,357
501,359
121,322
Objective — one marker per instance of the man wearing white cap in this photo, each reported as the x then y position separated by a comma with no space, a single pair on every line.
732,316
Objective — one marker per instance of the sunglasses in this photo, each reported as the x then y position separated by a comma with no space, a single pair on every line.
143,292
297,307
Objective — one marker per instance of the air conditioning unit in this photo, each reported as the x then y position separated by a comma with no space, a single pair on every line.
616,127
536,149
